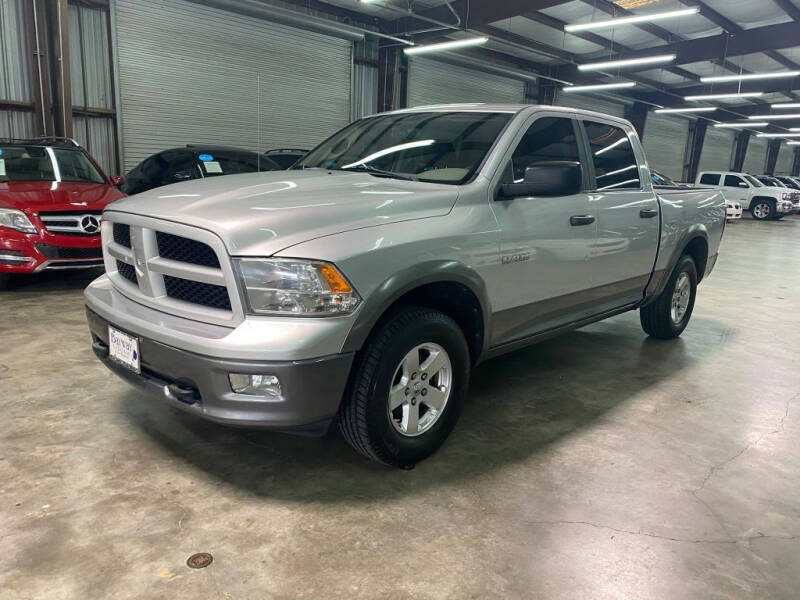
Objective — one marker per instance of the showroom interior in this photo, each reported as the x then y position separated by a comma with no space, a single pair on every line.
599,463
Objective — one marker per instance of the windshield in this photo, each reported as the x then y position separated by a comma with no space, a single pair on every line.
44,163
425,146
753,181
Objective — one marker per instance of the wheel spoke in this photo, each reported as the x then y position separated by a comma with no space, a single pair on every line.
411,362
433,364
410,418
397,396
435,398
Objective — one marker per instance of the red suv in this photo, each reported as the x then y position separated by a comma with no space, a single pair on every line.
52,193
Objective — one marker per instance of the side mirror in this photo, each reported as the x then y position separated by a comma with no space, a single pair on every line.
116,180
742,184
557,178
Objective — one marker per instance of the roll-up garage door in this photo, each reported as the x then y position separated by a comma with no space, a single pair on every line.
436,82
190,73
756,157
717,150
665,144
590,102
785,159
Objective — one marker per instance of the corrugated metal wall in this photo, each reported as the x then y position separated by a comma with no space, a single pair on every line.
665,144
590,102
90,73
15,81
756,157
436,82
785,160
191,73
717,150
365,79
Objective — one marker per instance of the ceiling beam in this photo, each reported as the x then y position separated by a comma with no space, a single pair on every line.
480,12
789,8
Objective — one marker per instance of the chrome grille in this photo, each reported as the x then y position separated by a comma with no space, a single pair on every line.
173,268
78,223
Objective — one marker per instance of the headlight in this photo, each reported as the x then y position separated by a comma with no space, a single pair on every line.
280,286
787,196
16,219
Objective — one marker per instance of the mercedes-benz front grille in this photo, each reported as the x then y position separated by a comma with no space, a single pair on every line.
84,223
174,268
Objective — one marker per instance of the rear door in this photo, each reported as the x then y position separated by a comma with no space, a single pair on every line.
627,213
544,276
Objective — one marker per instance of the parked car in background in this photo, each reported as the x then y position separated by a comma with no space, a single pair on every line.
52,193
361,286
285,157
774,182
789,182
664,180
194,162
762,201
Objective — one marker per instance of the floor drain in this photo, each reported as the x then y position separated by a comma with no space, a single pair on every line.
199,561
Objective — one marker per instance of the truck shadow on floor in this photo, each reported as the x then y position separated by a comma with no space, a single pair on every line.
518,405
48,282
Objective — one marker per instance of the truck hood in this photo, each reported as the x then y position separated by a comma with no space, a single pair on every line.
259,214
35,196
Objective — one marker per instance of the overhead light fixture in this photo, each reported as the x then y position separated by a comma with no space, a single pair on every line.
778,135
723,96
793,143
787,105
773,117
631,20
598,87
444,46
750,76
794,129
742,124
688,109
628,62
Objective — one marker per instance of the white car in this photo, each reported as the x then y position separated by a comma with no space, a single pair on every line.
733,210
765,203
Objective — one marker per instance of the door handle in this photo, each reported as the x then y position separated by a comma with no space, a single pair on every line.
581,220
648,213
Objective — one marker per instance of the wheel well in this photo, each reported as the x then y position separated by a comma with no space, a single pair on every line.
698,250
453,299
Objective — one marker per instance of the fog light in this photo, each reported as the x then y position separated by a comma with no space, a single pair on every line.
255,385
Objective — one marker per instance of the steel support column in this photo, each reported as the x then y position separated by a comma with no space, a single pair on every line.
740,150
697,137
773,148
637,115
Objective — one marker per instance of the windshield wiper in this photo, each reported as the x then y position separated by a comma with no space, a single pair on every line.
365,168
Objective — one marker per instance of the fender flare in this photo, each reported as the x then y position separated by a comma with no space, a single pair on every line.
657,285
408,279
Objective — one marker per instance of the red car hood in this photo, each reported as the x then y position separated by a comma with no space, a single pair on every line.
36,196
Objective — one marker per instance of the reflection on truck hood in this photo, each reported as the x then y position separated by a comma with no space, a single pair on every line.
259,214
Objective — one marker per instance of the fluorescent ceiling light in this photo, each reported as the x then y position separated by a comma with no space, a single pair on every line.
598,87
631,20
750,76
778,135
443,46
794,129
629,62
793,143
787,105
743,124
689,109
774,117
721,96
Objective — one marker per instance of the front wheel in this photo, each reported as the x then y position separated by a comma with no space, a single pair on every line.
407,387
667,316
762,210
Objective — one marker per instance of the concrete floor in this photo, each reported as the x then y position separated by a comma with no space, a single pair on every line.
598,465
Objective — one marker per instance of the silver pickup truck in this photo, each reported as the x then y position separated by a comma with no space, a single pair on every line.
362,285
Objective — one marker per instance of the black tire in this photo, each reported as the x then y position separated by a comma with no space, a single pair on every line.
5,281
364,417
656,317
763,207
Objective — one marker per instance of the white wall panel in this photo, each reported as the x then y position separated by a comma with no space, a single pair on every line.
665,144
717,150
756,157
785,160
190,73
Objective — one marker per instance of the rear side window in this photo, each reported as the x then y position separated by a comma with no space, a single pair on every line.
709,179
614,161
548,139
733,181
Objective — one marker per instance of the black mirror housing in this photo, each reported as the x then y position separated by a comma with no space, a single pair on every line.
556,178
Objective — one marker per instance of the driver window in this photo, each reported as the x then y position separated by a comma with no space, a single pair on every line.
733,181
548,139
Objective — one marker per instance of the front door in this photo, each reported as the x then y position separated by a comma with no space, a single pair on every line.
544,273
736,189
627,211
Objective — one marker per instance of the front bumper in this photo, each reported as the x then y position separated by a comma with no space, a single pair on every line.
32,253
311,389
785,207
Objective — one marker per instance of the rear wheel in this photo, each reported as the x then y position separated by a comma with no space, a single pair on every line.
669,314
763,210
407,387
